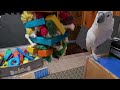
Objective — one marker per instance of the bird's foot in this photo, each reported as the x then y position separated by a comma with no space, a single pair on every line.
94,56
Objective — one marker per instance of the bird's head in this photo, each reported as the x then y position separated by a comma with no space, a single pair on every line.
103,16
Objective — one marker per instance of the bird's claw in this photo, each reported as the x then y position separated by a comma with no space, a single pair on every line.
94,56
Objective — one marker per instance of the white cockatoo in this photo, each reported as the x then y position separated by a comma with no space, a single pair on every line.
100,31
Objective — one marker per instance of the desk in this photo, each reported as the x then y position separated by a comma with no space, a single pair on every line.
107,68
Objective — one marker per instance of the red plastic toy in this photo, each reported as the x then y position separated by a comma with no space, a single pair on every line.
42,31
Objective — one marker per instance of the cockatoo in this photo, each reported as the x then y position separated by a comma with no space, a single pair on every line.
100,31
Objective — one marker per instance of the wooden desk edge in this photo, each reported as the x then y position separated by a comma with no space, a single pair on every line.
99,65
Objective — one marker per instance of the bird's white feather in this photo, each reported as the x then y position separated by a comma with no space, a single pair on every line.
100,32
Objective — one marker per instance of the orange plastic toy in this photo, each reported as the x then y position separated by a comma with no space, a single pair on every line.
45,53
1,55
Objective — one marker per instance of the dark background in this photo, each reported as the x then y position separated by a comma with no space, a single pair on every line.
12,31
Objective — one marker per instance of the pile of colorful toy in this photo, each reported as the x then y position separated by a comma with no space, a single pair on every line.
16,58
47,34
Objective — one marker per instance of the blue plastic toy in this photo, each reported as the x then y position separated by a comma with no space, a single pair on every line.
41,73
13,62
7,54
27,56
49,41
35,23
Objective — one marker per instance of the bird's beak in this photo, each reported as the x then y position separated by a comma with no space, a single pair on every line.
101,18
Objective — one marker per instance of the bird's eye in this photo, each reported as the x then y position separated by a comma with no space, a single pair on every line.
108,15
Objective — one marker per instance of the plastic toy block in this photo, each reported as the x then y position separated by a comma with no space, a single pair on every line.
26,16
1,55
42,47
25,51
58,24
13,62
1,61
49,41
36,58
48,59
21,58
5,64
30,54
35,23
16,54
29,31
41,73
25,61
43,31
11,56
51,28
27,56
7,54
60,53
32,50
45,53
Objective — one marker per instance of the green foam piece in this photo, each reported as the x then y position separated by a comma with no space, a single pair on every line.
42,47
51,27
60,53
47,58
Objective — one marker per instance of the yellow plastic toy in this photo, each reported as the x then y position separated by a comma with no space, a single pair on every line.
29,31
32,50
58,24
26,16
4,65
36,58
25,61
0,57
